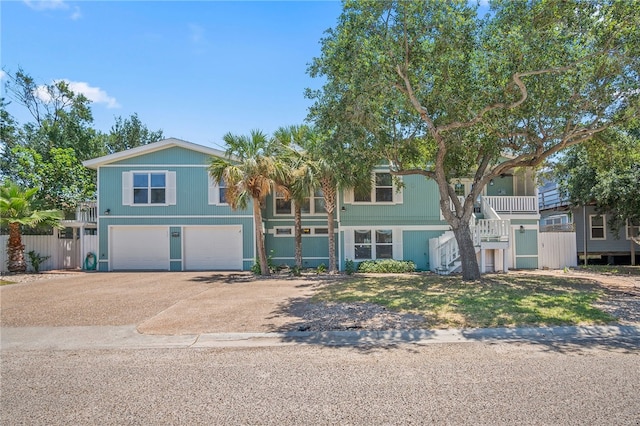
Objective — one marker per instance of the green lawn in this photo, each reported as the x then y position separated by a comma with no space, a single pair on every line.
611,269
496,301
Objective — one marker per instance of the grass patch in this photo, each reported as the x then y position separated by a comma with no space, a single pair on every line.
611,269
496,301
6,282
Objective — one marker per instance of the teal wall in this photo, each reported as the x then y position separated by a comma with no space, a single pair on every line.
415,247
315,250
419,206
502,186
526,246
191,194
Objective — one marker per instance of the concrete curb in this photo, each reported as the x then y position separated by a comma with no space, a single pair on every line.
127,337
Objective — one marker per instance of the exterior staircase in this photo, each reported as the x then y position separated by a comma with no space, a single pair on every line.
488,231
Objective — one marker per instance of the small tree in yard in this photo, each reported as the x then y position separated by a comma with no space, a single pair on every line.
16,211
442,92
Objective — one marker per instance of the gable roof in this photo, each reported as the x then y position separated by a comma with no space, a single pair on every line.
152,147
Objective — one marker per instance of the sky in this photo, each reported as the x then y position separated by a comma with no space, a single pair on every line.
196,70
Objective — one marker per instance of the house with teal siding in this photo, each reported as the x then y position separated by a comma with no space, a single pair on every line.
158,209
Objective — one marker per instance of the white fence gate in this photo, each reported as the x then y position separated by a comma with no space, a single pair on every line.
64,253
557,250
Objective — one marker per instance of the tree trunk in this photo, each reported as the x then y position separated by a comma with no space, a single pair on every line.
262,253
333,267
329,193
15,249
470,269
298,234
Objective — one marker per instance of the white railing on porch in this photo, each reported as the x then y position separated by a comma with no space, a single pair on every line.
87,212
493,229
516,204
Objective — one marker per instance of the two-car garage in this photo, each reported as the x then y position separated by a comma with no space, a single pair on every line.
194,247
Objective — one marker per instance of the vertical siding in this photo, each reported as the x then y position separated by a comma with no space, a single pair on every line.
526,246
416,247
420,206
557,250
611,244
502,186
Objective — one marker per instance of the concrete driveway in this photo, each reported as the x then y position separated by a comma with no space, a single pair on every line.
156,302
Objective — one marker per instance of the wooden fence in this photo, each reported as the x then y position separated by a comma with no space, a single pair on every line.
557,250
64,253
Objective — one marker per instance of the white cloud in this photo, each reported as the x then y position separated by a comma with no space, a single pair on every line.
94,94
2,74
46,4
43,5
76,14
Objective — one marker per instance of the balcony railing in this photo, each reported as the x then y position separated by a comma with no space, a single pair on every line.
517,204
492,230
87,212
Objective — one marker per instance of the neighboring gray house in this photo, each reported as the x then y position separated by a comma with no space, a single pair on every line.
593,234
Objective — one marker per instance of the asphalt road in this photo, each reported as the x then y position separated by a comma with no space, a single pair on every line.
582,382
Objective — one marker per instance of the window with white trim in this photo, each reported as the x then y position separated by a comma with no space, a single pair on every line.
383,190
284,231
147,188
288,231
373,244
283,205
217,192
313,204
310,205
597,227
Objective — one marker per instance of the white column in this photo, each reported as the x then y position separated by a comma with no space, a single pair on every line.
504,261
483,261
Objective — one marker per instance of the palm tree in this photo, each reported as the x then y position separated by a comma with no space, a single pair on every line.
16,210
333,168
300,179
250,171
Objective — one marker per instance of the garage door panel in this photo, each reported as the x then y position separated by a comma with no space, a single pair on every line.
213,247
139,248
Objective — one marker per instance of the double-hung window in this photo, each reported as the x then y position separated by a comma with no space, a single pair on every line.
632,229
310,205
373,244
217,192
148,188
597,227
382,190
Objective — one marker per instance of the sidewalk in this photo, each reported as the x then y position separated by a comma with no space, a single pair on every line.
126,337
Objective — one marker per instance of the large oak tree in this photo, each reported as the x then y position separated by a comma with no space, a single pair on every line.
442,92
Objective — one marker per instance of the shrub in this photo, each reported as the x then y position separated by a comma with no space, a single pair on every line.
296,271
387,266
255,268
321,269
36,260
349,267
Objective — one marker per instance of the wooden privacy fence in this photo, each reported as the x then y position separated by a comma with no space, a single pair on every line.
557,250
64,253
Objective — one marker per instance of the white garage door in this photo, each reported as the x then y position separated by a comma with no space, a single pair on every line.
139,248
212,247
